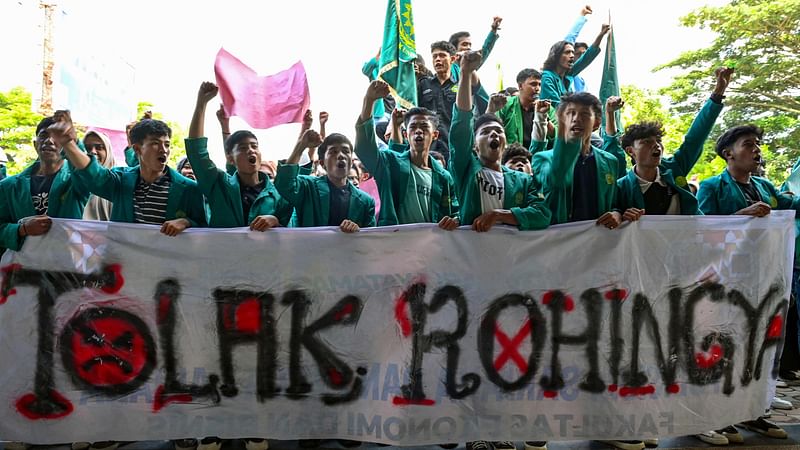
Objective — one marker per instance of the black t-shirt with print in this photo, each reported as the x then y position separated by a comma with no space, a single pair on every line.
40,192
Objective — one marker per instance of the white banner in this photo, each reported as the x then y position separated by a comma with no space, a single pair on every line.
404,335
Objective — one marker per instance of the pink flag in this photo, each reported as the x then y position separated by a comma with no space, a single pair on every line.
371,188
119,140
262,102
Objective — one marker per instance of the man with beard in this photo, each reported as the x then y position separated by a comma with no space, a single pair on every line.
47,188
413,186
560,67
150,193
489,193
246,198
328,200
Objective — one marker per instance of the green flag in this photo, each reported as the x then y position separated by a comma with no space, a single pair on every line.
396,65
609,86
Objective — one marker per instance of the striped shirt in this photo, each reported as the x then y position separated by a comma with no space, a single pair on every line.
150,200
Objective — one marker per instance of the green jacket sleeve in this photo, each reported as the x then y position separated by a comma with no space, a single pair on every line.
461,142
101,181
583,62
130,157
611,145
205,170
488,45
564,157
9,228
536,215
550,89
288,183
691,149
366,145
369,68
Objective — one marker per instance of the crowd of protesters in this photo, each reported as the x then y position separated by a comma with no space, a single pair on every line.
527,157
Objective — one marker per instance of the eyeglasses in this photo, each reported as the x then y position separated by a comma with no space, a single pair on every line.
95,146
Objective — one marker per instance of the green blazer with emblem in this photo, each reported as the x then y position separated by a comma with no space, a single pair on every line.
512,120
117,185
554,170
521,196
676,168
392,170
310,197
721,196
66,200
224,195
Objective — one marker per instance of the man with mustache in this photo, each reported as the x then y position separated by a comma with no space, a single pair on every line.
560,67
246,198
657,185
489,193
413,186
47,188
328,200
150,193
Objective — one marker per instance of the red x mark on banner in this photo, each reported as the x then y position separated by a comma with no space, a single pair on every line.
511,346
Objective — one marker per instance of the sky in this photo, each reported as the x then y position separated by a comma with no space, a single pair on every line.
167,48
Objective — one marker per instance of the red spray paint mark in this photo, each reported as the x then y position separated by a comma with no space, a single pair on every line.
26,406
569,304
164,301
248,316
547,297
550,394
401,401
346,310
706,360
117,279
612,388
641,390
161,400
775,327
5,292
401,315
335,376
511,347
673,388
616,294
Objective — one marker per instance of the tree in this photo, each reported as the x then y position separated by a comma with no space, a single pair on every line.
177,147
17,128
760,39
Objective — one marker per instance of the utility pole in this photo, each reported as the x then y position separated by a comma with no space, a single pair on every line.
46,105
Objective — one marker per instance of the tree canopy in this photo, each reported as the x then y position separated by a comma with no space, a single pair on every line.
760,39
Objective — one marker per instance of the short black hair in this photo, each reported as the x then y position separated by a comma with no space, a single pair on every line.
511,90
551,63
44,123
455,37
514,150
443,45
233,140
641,130
730,137
420,111
484,119
149,127
581,98
182,163
524,74
331,139
583,45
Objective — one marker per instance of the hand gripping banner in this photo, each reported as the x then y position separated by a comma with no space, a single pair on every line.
404,335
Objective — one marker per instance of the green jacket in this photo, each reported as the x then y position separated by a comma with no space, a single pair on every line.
481,97
511,114
676,168
310,197
721,196
131,160
67,199
118,185
224,194
392,170
521,197
554,169
554,86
